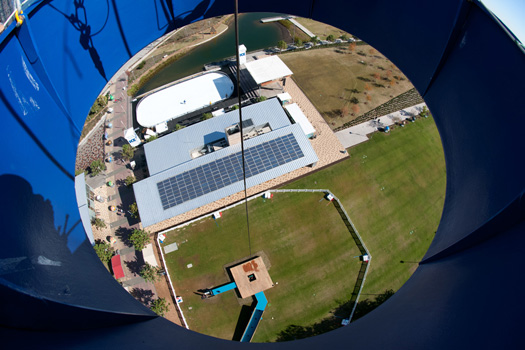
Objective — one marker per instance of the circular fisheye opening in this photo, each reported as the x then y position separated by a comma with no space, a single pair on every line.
344,169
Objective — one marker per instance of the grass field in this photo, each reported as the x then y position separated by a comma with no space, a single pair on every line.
307,244
393,188
340,81
321,29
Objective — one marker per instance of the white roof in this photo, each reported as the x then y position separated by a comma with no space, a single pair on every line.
267,69
162,127
300,118
183,98
132,137
284,96
149,255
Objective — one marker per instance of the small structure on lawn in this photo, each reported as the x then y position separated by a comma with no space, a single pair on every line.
251,277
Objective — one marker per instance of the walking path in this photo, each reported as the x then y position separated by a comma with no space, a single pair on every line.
356,134
303,28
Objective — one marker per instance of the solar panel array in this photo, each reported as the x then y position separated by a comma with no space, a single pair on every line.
228,170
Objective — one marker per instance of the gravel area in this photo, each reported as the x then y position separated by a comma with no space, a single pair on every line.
91,149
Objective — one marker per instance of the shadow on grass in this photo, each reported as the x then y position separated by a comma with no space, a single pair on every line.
294,332
242,323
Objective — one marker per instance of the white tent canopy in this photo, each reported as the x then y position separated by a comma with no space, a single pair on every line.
268,69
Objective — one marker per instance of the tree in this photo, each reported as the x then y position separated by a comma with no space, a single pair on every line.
352,46
127,152
355,109
344,37
130,180
139,238
281,45
134,210
149,273
330,37
160,306
424,112
96,167
354,100
98,223
314,40
234,107
298,42
100,103
103,250
206,116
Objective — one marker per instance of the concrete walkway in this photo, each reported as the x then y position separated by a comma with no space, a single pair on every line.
303,28
356,134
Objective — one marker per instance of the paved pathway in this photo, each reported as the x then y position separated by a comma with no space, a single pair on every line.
356,134
303,28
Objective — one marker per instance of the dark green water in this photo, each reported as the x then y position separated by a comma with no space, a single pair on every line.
252,33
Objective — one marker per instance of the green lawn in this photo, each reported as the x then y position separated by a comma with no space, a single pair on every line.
306,242
393,188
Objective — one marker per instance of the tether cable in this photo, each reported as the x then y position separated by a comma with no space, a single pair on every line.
240,122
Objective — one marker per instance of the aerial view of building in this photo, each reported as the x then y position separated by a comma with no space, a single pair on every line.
150,161
202,163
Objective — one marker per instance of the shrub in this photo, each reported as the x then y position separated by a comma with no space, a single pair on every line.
134,210
103,250
96,167
141,65
330,37
160,306
100,103
127,152
98,223
133,90
261,98
344,37
206,116
130,180
152,138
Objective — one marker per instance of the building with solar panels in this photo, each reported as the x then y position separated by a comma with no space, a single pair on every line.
202,163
